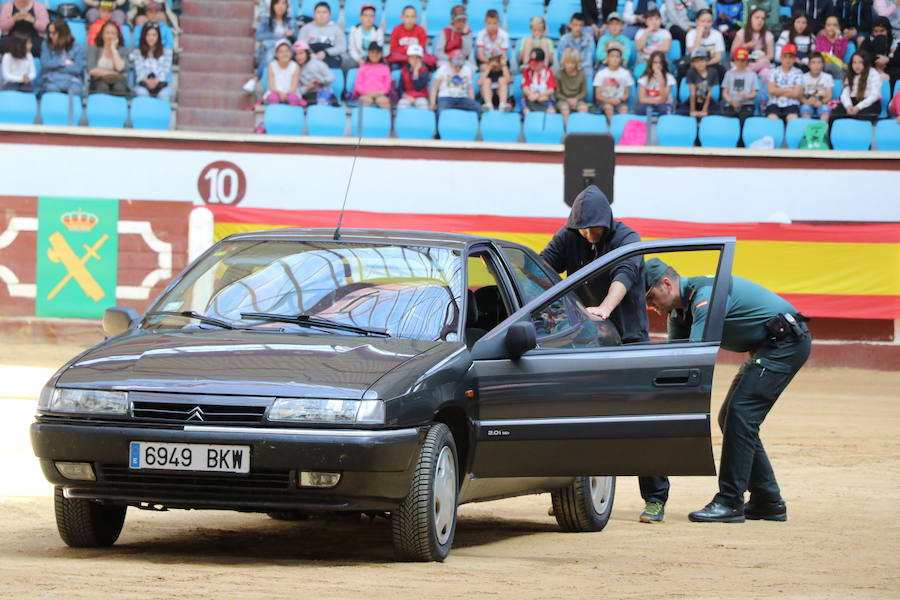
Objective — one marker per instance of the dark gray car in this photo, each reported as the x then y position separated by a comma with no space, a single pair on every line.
399,373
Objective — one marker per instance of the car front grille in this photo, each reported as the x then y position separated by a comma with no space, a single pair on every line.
196,413
173,481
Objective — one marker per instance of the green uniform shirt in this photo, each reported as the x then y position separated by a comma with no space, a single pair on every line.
748,308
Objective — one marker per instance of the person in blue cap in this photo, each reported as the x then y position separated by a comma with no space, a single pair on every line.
616,296
775,335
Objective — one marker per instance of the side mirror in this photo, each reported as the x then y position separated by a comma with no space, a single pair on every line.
119,319
520,338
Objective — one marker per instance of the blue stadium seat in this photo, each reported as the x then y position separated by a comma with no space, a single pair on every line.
543,128
376,122
851,48
307,8
638,70
896,88
617,125
79,32
676,130
414,124
350,80
437,14
352,8
17,107
128,34
55,109
458,125
337,86
519,14
477,10
674,52
684,92
559,13
283,119
392,11
851,134
837,88
324,120
719,132
885,98
105,110
517,88
887,135
150,113
795,129
586,123
756,128
499,126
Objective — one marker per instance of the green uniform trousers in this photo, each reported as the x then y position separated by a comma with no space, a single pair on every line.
744,465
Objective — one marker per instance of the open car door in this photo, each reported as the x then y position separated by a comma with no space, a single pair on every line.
579,402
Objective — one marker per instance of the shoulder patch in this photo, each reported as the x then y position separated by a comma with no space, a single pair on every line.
701,304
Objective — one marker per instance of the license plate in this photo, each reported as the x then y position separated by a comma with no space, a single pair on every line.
189,457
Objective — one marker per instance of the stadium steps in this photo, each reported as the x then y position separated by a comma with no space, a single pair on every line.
217,57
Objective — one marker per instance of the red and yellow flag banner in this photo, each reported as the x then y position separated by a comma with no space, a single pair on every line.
825,270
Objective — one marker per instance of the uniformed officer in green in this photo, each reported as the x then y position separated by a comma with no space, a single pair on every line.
762,323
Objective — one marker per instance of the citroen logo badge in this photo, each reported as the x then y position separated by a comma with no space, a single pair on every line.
196,414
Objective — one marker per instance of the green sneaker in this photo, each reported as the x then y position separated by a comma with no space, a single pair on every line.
654,512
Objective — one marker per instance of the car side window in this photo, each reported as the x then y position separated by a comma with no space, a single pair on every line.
486,302
564,323
532,278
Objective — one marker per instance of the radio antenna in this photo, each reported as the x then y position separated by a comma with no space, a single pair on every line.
337,230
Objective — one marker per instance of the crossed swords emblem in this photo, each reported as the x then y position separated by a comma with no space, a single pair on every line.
62,252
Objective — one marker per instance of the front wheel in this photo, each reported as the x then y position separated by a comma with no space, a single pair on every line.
85,523
585,504
424,525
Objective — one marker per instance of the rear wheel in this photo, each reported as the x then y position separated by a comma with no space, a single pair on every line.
85,523
424,525
586,504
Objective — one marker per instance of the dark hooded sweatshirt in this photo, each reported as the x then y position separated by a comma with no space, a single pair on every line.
568,251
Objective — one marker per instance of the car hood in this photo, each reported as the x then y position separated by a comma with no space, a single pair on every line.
241,363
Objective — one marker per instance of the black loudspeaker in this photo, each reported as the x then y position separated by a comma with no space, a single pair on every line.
590,158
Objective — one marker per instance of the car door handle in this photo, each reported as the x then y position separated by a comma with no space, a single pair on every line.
675,377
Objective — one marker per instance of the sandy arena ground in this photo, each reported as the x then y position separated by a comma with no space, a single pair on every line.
833,439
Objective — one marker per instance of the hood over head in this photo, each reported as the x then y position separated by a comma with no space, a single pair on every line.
590,209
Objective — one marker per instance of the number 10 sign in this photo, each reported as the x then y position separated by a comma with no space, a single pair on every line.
222,182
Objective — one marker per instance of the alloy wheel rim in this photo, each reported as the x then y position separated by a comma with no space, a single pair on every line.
601,490
444,504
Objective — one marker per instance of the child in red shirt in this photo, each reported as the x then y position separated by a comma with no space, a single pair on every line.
538,85
406,34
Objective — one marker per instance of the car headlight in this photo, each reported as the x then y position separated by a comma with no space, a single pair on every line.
320,410
65,400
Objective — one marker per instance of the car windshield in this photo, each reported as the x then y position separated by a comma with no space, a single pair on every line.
403,291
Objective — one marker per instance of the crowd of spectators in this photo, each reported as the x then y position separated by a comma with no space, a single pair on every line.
824,59
116,47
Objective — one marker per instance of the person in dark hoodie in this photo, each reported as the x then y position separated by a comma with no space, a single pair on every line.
617,296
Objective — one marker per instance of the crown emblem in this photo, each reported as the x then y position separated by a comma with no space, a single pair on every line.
78,220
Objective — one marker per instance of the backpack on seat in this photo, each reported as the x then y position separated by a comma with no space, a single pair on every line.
634,133
814,137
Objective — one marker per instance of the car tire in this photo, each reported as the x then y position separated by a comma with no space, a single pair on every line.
586,504
424,525
85,523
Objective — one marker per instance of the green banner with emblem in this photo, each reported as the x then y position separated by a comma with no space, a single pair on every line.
77,257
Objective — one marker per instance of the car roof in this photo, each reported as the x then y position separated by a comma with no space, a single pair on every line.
400,237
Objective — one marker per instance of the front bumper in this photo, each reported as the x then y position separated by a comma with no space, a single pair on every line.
376,466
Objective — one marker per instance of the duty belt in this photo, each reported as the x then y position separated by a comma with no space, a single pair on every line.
786,326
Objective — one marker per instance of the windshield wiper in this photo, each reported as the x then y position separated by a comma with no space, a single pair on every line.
310,321
191,314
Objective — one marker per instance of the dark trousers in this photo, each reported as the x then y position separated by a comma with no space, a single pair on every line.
744,465
654,489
